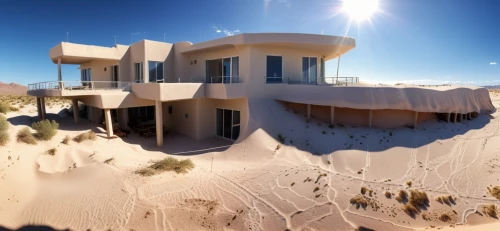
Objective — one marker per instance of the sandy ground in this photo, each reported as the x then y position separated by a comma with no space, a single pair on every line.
257,183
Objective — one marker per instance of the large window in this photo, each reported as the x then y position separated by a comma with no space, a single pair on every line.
141,114
155,72
85,75
309,70
225,70
274,69
138,73
228,123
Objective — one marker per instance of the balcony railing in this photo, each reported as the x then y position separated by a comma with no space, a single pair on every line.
79,85
225,79
339,81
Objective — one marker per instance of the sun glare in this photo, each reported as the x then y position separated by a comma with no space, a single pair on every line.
360,10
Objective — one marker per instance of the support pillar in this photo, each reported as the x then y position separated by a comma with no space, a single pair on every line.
42,107
448,117
415,120
332,115
109,123
454,117
460,117
59,73
370,115
469,116
39,108
464,117
76,110
308,112
159,123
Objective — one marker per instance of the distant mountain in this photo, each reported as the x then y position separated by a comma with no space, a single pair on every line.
12,89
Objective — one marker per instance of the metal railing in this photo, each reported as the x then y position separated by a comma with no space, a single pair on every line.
339,81
79,85
276,80
225,79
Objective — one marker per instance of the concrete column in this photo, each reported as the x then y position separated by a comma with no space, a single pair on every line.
39,108
460,117
415,120
332,115
308,111
109,122
76,110
42,104
464,117
370,119
455,117
469,116
159,123
448,117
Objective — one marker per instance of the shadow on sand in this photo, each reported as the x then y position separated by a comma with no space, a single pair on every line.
33,228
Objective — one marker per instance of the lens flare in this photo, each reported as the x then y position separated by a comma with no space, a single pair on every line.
360,10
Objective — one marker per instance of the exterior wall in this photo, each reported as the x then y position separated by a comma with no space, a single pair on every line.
392,118
137,55
158,52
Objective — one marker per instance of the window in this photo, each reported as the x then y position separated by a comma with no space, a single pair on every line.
228,123
225,70
141,114
274,69
85,75
309,70
138,73
155,72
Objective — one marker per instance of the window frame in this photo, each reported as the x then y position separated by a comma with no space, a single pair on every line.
282,68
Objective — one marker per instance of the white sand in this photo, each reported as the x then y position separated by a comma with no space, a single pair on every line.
251,185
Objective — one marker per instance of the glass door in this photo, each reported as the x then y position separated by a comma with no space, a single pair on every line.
310,70
274,69
114,76
226,70
228,123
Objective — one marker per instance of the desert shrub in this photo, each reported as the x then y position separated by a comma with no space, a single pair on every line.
281,138
12,108
490,210
90,135
444,217
409,183
4,124
359,201
364,190
52,151
4,108
24,136
4,138
411,210
402,196
109,161
167,164
495,192
66,140
45,129
418,198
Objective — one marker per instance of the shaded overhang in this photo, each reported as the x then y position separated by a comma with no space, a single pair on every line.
328,46
72,53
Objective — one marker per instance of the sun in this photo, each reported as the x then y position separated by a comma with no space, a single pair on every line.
360,10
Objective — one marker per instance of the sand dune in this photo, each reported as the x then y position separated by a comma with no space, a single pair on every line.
257,183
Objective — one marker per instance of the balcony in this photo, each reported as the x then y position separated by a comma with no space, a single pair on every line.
334,81
74,88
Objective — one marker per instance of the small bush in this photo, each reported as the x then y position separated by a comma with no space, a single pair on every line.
490,210
4,108
418,198
66,140
409,183
24,136
316,189
410,210
402,196
4,138
167,164
444,217
495,192
363,190
359,201
45,129
388,194
4,124
110,160
12,108
52,151
90,135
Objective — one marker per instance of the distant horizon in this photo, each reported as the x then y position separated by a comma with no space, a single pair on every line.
421,42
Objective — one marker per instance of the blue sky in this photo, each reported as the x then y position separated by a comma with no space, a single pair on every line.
418,41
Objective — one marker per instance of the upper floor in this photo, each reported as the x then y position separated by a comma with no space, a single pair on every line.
243,65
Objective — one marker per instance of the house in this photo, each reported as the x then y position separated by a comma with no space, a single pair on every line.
202,90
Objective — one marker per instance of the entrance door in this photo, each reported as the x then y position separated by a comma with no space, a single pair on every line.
228,123
310,70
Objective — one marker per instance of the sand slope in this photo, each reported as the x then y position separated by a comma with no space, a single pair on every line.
257,183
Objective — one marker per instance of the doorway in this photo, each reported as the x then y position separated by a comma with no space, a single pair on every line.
114,76
228,123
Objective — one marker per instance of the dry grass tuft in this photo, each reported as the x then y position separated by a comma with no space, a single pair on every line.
490,210
24,136
409,183
4,108
359,201
364,190
167,164
402,196
411,210
445,200
4,135
90,135
110,160
495,192
12,108
445,217
418,198
66,140
45,129
52,151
